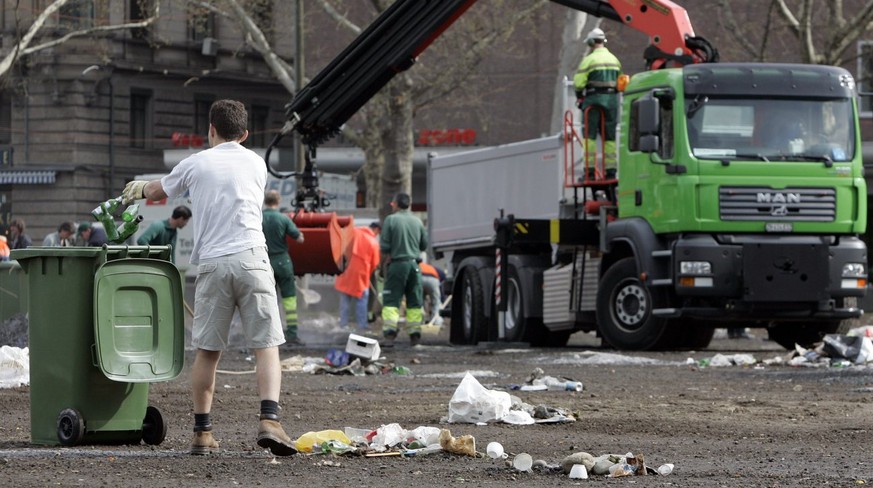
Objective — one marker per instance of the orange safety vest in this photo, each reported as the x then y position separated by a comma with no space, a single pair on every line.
427,269
4,249
365,258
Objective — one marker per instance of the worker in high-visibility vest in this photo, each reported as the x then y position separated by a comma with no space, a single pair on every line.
596,83
401,241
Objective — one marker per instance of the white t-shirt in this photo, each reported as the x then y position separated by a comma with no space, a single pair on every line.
226,186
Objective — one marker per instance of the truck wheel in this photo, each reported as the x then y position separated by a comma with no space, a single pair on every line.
515,325
805,334
624,310
468,314
692,334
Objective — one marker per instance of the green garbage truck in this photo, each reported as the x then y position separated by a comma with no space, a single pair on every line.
739,200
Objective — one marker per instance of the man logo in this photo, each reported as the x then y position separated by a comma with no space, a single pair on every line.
780,202
777,197
779,210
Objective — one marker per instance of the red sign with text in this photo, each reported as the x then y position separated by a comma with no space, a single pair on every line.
446,137
182,139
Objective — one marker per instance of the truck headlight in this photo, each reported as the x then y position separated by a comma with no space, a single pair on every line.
854,276
695,268
854,270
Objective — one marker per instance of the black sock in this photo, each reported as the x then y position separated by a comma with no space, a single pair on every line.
269,410
202,422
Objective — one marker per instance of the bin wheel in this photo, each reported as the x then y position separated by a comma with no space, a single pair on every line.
154,429
71,427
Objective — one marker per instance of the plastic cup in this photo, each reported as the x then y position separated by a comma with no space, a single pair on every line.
494,450
578,471
522,461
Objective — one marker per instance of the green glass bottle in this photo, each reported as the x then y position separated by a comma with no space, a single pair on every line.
130,213
106,208
127,229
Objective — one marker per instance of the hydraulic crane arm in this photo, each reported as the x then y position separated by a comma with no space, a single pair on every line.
394,40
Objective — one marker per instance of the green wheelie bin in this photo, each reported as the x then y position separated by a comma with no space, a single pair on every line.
104,323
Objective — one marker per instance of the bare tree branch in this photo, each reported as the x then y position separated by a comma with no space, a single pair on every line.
789,17
849,32
449,79
23,47
341,19
736,32
284,72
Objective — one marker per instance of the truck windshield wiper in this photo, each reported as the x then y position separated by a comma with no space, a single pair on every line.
756,156
828,162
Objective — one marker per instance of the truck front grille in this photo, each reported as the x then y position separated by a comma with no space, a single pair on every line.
787,205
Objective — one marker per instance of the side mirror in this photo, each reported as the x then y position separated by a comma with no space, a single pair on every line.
649,113
650,143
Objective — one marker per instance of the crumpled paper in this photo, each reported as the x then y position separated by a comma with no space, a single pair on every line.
466,444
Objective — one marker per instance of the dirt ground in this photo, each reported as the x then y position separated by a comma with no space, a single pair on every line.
773,426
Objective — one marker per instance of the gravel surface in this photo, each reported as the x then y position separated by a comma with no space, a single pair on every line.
773,425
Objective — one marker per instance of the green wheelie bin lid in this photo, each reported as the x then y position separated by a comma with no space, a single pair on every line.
139,324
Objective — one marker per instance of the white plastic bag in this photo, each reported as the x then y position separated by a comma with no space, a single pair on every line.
14,367
472,403
388,436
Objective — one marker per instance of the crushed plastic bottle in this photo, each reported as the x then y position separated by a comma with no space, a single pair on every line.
335,447
308,441
621,469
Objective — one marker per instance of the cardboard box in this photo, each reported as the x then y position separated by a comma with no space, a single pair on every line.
364,347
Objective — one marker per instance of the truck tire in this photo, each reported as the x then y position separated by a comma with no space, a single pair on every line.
805,334
515,325
691,334
624,310
468,313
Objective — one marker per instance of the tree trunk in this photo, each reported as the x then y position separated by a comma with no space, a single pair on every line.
397,138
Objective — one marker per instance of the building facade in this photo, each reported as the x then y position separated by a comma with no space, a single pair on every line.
80,119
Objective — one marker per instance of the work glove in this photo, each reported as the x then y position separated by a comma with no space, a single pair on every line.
133,191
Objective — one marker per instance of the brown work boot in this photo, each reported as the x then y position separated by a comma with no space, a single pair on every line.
272,436
203,443
388,339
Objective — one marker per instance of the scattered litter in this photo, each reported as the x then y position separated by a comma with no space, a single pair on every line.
466,444
14,367
476,373
863,331
595,357
495,450
336,358
578,471
473,403
539,381
364,347
312,441
858,349
522,462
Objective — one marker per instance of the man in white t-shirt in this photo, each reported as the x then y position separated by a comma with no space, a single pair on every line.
226,185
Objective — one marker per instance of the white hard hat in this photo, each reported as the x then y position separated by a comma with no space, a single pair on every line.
596,34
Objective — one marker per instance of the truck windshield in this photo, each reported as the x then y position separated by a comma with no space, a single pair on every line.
771,130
